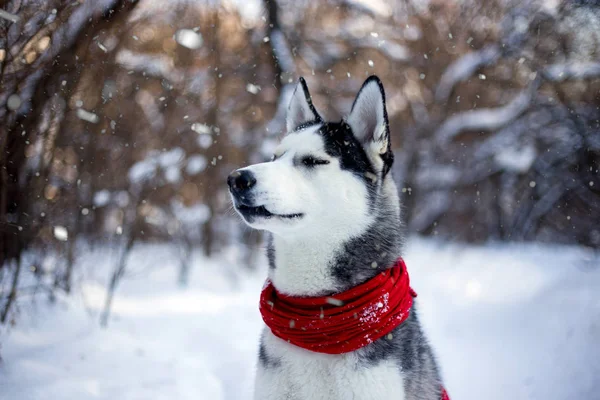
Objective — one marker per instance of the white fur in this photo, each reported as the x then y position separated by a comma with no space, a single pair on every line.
333,204
304,375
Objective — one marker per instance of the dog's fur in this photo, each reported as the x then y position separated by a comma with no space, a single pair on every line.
332,211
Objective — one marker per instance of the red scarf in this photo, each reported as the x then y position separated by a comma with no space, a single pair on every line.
342,322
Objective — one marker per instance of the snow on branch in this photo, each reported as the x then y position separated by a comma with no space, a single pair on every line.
158,65
392,50
487,119
282,51
284,66
463,68
563,72
9,17
373,8
282,54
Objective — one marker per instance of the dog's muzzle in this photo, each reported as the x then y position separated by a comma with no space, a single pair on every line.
240,183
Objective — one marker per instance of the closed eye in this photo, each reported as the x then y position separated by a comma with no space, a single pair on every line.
312,161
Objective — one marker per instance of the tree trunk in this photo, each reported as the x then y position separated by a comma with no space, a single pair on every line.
20,189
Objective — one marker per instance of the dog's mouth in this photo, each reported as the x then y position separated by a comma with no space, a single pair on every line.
250,212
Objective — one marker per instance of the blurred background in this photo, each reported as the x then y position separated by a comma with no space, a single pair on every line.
120,120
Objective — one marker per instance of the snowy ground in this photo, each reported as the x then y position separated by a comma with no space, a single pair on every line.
507,322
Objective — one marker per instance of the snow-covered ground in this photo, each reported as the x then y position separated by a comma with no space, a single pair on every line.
507,322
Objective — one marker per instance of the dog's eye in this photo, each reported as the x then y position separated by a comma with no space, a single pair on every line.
311,161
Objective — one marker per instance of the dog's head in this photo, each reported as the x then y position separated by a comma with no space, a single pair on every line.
324,176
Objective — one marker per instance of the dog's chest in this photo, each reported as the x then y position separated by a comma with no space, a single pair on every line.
296,374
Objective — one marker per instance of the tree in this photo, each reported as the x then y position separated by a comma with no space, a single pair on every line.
40,66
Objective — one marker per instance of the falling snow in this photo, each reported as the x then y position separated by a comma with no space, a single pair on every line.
60,233
189,38
87,116
254,89
13,102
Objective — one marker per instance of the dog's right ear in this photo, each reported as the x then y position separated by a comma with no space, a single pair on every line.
301,111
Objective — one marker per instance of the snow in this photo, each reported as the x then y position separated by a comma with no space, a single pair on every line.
204,141
13,102
506,321
461,69
61,233
189,38
193,215
9,17
142,170
195,164
87,116
171,157
121,198
158,65
517,160
561,72
101,198
251,11
201,128
486,119
437,175
251,88
282,51
394,51
377,8
173,174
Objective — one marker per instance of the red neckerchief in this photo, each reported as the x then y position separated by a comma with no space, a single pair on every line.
343,322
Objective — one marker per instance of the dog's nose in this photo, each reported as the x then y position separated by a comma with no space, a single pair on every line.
240,181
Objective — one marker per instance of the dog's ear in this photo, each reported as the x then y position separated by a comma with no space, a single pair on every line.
369,121
301,110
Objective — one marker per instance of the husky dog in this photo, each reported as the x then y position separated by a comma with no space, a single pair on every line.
332,211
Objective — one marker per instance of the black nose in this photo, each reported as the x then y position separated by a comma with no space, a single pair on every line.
240,181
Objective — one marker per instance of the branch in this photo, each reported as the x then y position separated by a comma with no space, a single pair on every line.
461,69
563,72
283,60
543,206
283,64
487,119
156,65
9,17
373,9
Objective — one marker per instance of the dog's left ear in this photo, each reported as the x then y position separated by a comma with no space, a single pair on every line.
369,121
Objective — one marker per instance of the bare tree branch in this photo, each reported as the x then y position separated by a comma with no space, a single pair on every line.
568,71
487,119
463,68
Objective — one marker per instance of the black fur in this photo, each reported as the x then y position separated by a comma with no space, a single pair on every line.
341,143
265,359
270,251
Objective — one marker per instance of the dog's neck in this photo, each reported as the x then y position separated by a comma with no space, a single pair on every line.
301,267
322,264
